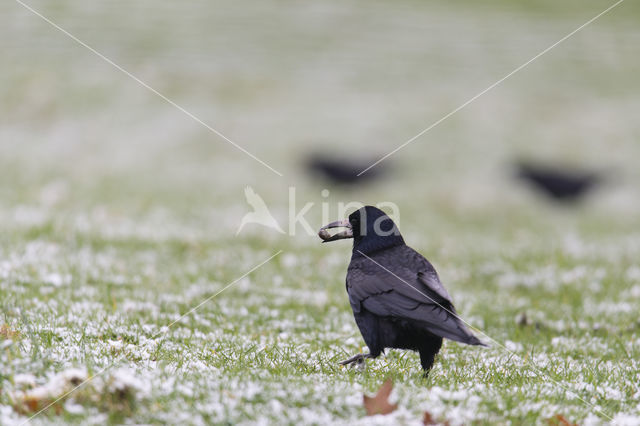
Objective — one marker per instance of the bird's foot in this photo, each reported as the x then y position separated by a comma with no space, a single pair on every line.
356,360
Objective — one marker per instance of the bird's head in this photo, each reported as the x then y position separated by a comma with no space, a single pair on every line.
370,228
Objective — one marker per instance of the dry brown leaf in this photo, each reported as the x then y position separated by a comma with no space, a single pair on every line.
560,420
32,404
379,404
428,420
7,333
50,395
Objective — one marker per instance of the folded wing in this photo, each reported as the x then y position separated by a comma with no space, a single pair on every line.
407,294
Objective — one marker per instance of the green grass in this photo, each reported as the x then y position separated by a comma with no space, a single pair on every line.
119,213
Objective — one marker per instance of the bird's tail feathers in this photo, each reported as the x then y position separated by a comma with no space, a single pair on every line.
459,333
473,340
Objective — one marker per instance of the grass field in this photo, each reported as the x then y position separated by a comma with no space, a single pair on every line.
118,212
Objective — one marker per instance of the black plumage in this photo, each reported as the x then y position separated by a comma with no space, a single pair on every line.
397,298
341,171
559,184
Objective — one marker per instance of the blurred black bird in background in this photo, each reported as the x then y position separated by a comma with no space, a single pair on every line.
341,171
559,184
397,298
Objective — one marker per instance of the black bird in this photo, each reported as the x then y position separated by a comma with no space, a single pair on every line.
397,298
342,171
557,183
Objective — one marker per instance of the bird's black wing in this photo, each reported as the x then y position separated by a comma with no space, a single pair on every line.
405,286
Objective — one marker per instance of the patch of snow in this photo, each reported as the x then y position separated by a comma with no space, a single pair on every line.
513,346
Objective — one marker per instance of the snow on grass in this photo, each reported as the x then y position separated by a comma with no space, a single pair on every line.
267,349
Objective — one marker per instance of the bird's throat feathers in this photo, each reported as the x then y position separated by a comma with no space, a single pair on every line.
368,246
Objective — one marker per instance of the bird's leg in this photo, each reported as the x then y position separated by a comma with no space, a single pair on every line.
356,359
425,373
426,360
428,354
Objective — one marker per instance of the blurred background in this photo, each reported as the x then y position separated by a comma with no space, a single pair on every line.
81,142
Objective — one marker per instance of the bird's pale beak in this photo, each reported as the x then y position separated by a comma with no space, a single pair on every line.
326,236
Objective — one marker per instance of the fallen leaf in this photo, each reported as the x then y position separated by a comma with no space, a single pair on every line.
50,394
560,420
428,420
7,333
31,403
379,404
